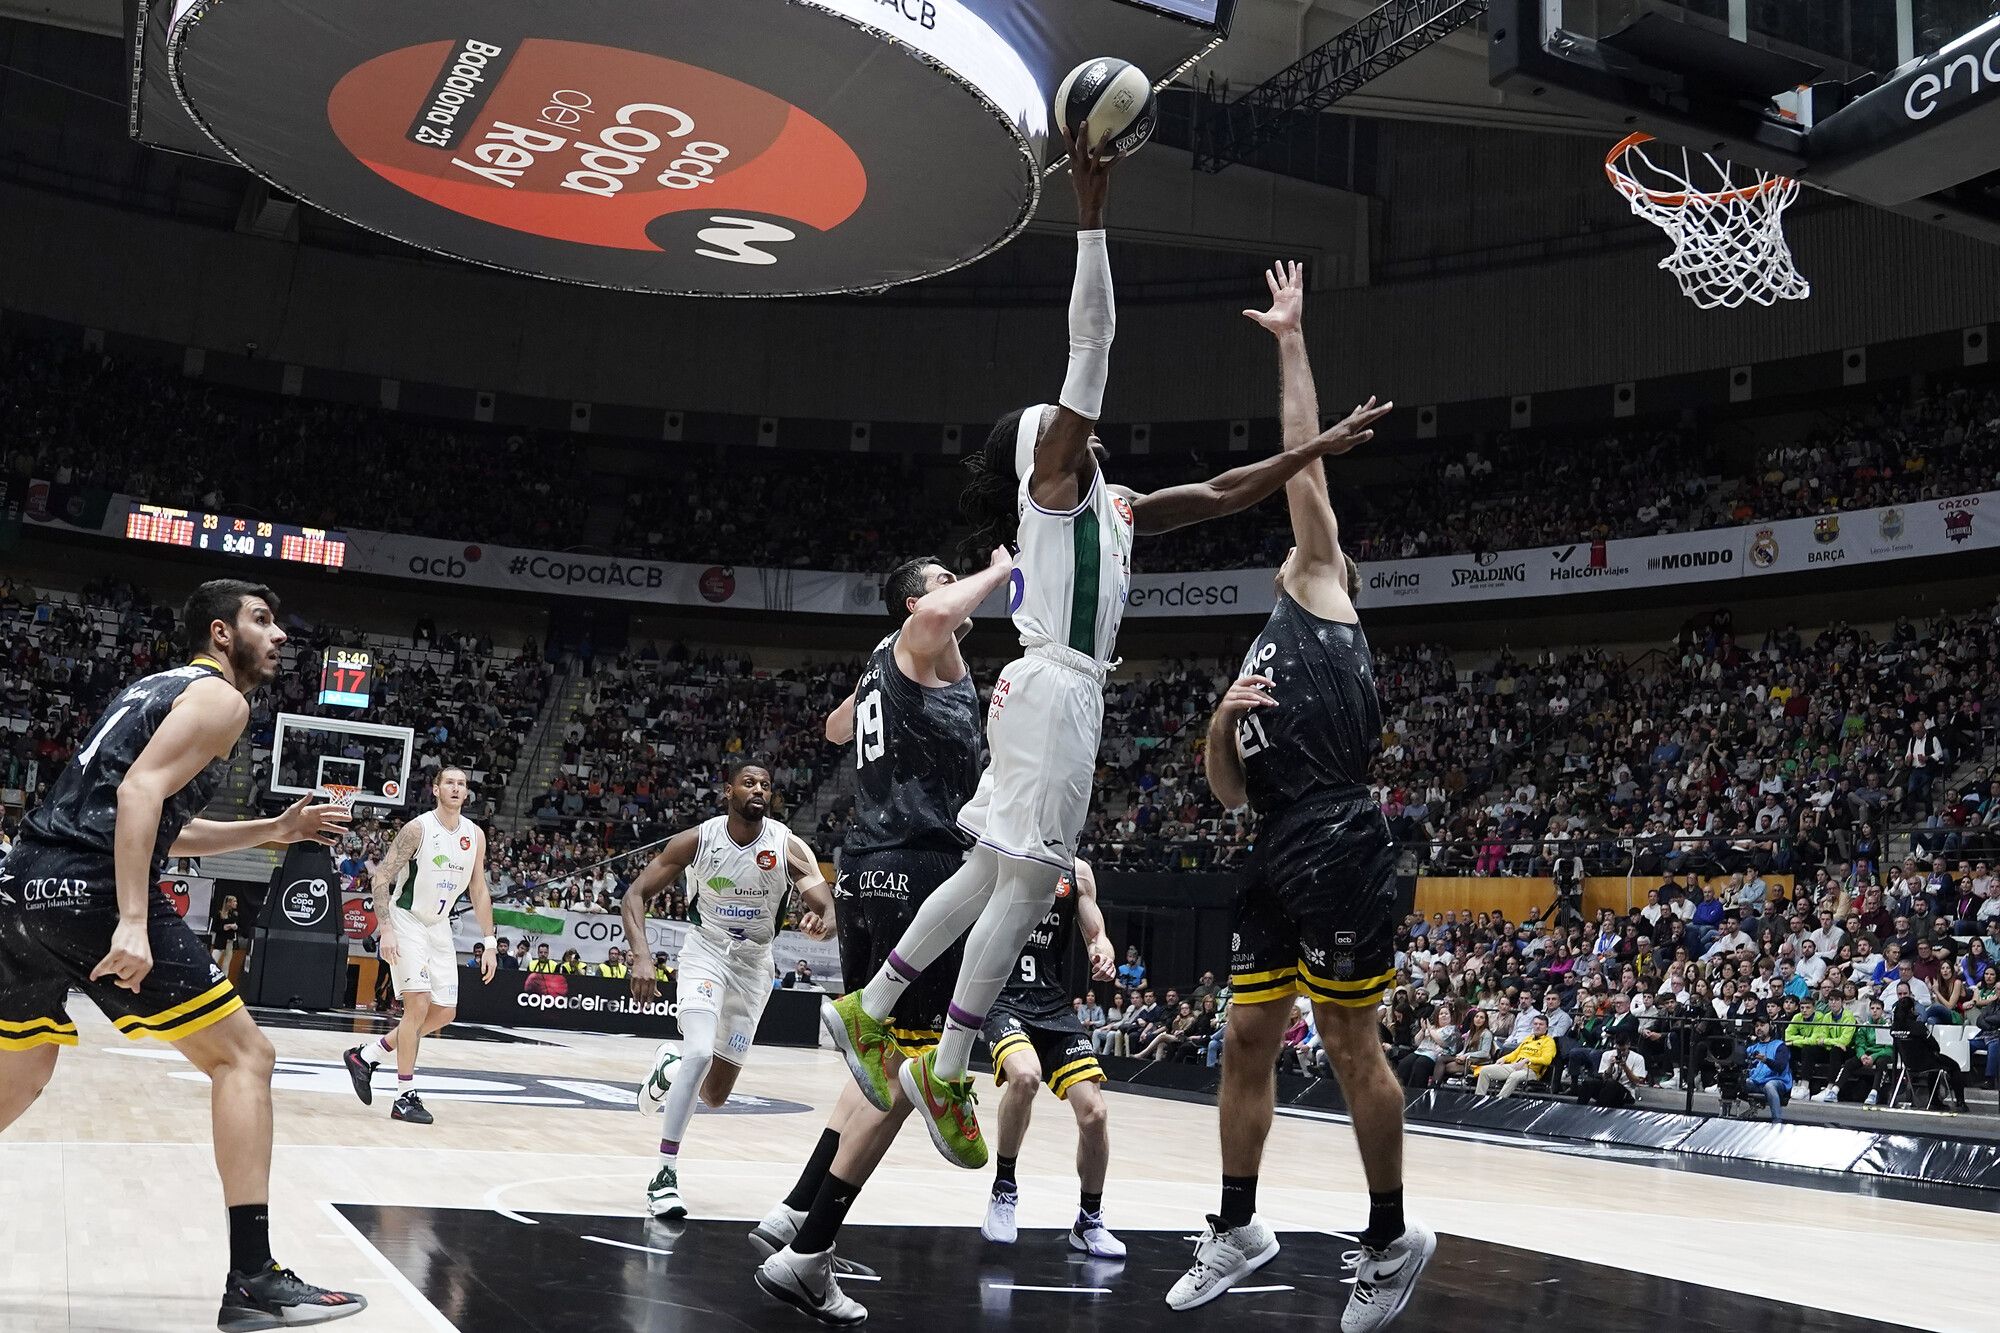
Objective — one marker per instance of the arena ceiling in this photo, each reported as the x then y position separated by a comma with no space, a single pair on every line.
1446,83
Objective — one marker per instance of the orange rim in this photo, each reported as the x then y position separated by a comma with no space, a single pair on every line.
1628,184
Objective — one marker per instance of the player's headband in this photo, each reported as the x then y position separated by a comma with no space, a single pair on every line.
1025,436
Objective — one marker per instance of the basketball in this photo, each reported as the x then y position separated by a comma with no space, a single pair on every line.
653,1092
1107,98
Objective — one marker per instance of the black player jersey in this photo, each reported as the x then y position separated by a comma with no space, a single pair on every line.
917,756
1327,725
80,810
1037,980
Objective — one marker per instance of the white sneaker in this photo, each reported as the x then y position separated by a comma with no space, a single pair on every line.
1090,1235
1223,1257
777,1230
1874,1098
663,1196
1672,1082
1383,1280
1828,1094
806,1283
653,1092
999,1226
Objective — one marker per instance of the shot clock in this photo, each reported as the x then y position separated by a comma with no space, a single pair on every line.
346,678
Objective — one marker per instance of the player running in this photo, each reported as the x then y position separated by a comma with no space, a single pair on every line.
1035,1036
739,868
913,719
1293,737
1039,486
78,908
437,858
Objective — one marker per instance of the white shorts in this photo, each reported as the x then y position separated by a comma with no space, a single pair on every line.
733,984
426,957
1043,727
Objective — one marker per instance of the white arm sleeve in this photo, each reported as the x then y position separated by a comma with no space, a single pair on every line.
1092,322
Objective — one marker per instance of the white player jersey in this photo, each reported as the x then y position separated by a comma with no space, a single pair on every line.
440,872
1070,579
735,893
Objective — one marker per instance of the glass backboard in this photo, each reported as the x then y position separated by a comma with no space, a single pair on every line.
309,754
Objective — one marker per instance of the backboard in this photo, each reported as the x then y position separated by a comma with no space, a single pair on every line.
1895,103
310,753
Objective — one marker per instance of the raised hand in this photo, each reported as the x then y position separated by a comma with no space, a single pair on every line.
1350,432
1288,299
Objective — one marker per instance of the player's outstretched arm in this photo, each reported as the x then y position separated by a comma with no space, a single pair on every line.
1062,460
322,823
943,613
201,728
1222,755
665,868
803,863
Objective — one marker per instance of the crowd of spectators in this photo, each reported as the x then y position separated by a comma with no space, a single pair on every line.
81,417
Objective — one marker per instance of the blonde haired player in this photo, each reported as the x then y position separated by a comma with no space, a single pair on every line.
437,858
739,867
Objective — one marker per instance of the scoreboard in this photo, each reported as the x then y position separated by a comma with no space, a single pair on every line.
252,538
347,678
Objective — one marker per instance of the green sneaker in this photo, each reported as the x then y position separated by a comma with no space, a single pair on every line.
946,1105
864,1044
663,1196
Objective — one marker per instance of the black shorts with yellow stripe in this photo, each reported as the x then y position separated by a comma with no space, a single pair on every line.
875,896
57,913
1059,1043
1316,915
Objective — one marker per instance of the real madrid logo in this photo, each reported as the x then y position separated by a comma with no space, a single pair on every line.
1891,525
1764,549
1827,529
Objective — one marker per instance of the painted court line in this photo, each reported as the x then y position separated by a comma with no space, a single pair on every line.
1060,1291
627,1245
390,1272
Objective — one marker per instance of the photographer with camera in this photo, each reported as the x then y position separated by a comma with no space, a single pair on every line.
1620,1074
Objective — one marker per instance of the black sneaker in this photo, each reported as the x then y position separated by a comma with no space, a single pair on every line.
363,1075
276,1298
409,1107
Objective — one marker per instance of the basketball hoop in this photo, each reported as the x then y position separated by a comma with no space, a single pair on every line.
1729,239
340,794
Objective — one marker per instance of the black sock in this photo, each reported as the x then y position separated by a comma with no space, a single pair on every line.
829,1210
1385,1220
250,1238
1003,1178
1092,1204
817,1165
1239,1200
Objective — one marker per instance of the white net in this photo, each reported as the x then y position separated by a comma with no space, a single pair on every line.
1726,221
339,794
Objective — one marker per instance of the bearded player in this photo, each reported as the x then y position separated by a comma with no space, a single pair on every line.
78,908
1317,915
437,858
1039,487
739,868
1036,1038
913,720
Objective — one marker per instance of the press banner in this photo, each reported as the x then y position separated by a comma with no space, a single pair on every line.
1714,555
593,934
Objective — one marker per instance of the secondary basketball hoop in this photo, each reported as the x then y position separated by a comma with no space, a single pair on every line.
1726,222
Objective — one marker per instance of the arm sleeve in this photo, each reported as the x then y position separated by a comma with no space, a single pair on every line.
1093,320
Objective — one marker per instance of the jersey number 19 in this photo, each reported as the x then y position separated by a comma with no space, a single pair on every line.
868,738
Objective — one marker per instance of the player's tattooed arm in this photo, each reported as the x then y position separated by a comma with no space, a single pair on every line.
399,854
803,863
664,869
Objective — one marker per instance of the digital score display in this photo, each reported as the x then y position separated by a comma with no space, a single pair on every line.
347,677
255,538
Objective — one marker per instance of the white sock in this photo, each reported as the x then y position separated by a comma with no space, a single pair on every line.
944,916
1022,895
697,1052
375,1053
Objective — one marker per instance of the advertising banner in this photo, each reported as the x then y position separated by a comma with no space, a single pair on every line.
595,1004
593,934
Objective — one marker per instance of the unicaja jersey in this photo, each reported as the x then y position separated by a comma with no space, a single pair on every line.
1327,722
1037,981
438,875
735,892
81,808
1074,567
916,758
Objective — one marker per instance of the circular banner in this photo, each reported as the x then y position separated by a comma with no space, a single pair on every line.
755,148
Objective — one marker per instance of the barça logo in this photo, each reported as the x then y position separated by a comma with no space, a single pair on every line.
1764,549
1827,529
